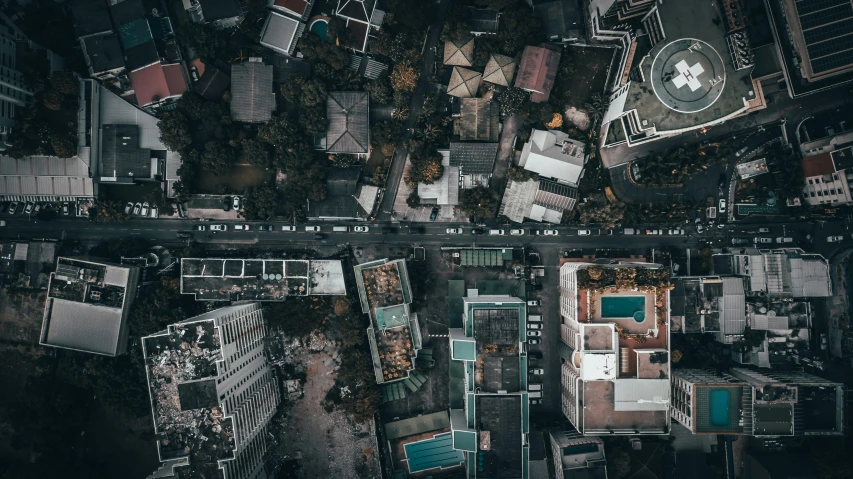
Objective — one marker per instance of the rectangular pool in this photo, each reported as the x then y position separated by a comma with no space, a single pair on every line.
622,306
719,407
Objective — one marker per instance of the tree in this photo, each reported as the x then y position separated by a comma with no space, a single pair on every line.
556,122
404,77
316,49
202,39
342,305
425,162
260,203
218,158
479,202
385,133
598,209
303,92
108,211
175,131
343,160
380,90
337,31
64,144
182,192
413,200
618,464
257,153
518,27
512,99
596,107
313,120
520,175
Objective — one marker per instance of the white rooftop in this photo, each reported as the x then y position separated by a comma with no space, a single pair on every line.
599,367
553,154
631,394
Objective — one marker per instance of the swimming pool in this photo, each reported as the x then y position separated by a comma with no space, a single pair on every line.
624,307
719,407
320,27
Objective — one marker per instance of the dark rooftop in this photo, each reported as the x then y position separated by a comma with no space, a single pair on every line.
121,155
560,18
473,157
479,120
141,56
348,130
360,10
499,427
483,20
213,83
103,52
214,10
90,17
127,11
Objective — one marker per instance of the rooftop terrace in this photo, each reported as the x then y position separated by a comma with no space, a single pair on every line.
382,283
600,412
181,367
210,279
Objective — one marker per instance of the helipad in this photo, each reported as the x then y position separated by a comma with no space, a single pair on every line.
688,75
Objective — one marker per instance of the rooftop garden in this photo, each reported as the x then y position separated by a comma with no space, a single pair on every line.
648,280
395,352
382,285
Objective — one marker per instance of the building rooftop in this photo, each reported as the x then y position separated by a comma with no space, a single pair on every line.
483,20
281,33
157,82
90,17
459,52
479,120
443,191
121,155
500,70
552,154
298,8
214,10
210,279
87,306
464,83
103,53
749,169
560,18
141,56
359,10
212,83
182,366
785,272
45,176
348,115
818,165
382,283
537,72
499,423
473,157
252,97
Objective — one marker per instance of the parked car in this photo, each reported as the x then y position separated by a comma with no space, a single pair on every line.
534,325
29,208
226,203
434,213
218,227
12,207
155,211
534,341
742,151
534,333
128,207
699,228
37,208
533,302
654,232
236,202
784,240
199,227
762,240
497,232
145,208
312,229
516,232
630,231
265,228
536,401
137,208
478,231
834,239
534,354
551,233
676,232
184,235
535,371
584,232
243,227
361,229
737,241
454,231
65,209
721,207
288,228
763,230
823,342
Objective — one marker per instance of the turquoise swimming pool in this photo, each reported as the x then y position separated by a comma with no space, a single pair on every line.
624,307
719,402
320,27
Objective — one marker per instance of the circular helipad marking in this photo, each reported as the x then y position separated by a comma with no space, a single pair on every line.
688,75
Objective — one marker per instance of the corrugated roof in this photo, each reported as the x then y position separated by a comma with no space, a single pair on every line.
518,199
45,176
149,85
83,326
417,425
473,157
252,97
348,129
732,307
103,53
479,120
818,165
810,277
483,20
281,33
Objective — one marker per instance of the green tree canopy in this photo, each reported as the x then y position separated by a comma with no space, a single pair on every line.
218,158
479,202
260,203
257,153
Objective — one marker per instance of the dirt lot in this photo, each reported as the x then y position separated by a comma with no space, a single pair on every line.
242,176
21,314
583,72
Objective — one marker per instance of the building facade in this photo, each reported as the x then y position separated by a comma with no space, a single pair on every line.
212,393
14,92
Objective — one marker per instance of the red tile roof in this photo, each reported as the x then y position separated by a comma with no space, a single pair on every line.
537,72
295,6
175,79
149,83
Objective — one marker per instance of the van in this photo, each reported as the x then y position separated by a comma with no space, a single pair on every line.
497,232
630,231
534,394
534,387
784,240
340,229
534,318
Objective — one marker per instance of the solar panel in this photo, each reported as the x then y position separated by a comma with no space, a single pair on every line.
828,32
829,48
827,27
835,61
804,7
822,17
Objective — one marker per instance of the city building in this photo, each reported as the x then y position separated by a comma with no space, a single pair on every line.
213,279
464,83
459,52
281,33
552,154
90,17
87,306
347,198
537,72
103,55
757,402
443,191
15,92
361,16
500,70
212,394
348,116
782,272
825,183
299,9
561,19
483,21
394,333
220,13
615,347
252,96
423,444
475,160
812,40
478,119
673,76
577,456
489,397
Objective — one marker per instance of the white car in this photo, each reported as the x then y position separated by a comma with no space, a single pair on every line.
312,229
834,239
497,232
722,206
518,232
218,227
155,211
288,228
676,232
584,232
137,208
534,341
551,233
699,228
533,302
361,229
145,208
534,333
29,208
235,203
535,402
534,325
128,207
454,231
536,371
242,227
762,240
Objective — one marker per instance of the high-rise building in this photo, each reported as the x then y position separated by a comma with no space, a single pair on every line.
14,93
577,456
757,402
614,347
212,393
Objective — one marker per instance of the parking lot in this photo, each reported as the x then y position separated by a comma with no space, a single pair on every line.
33,209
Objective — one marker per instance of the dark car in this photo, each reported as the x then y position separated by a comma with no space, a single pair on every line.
265,228
434,213
319,236
534,354
478,231
184,235
226,203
